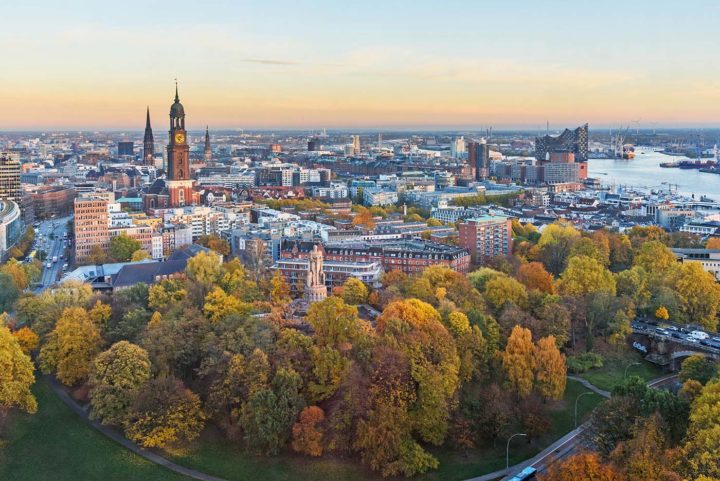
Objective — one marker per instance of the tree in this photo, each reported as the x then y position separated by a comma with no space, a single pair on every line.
27,339
71,347
364,218
97,256
585,275
550,369
504,289
354,291
334,322
122,247
713,243
655,257
204,268
165,293
163,414
42,311
698,293
218,305
642,455
279,290
16,376
115,378
662,313
140,255
307,435
8,292
518,361
18,274
701,450
534,276
216,243
698,368
555,245
585,246
269,414
585,466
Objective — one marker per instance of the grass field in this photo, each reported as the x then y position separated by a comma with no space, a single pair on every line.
613,370
55,444
217,457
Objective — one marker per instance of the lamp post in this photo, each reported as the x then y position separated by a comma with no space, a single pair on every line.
576,403
507,449
628,367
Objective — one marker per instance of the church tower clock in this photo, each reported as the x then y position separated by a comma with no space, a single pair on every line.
178,149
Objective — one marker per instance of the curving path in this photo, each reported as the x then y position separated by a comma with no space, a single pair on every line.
559,448
122,440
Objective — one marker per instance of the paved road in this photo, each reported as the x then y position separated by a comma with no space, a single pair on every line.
561,448
53,247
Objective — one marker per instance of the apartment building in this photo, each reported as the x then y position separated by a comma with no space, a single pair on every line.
486,236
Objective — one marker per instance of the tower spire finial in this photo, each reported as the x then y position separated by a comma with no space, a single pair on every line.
177,97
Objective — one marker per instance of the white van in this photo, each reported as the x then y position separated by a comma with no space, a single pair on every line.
699,335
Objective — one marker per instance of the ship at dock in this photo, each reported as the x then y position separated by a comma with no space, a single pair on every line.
701,165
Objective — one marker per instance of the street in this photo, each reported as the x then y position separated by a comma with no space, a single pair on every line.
54,248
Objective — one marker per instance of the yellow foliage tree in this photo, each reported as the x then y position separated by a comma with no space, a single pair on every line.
503,289
71,347
279,290
16,375
218,305
701,451
585,275
550,369
27,338
662,313
354,291
698,293
518,360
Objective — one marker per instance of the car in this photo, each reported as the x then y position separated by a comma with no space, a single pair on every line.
699,335
705,342
672,328
716,339
676,335
49,265
662,331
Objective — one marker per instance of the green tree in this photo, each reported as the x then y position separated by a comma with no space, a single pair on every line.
115,378
122,247
270,413
698,368
8,293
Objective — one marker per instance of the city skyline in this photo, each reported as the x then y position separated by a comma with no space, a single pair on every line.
370,66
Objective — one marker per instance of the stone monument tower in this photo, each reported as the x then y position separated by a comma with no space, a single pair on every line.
315,289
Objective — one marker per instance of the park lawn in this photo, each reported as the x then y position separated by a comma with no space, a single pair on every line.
613,370
457,466
56,444
214,455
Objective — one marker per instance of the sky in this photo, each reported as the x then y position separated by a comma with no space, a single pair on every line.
82,64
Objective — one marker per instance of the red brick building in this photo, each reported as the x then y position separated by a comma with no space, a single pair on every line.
486,237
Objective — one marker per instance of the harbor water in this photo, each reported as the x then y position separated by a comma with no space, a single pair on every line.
644,172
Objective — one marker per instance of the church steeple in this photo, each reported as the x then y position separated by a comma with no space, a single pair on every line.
148,142
208,149
178,149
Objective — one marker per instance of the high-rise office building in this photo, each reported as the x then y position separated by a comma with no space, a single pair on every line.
575,141
148,142
10,177
356,144
479,159
126,148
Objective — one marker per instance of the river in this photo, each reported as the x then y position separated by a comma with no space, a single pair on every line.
644,171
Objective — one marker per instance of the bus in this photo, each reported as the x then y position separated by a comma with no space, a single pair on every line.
525,474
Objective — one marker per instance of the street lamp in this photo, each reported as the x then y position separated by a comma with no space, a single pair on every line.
628,367
576,403
507,449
